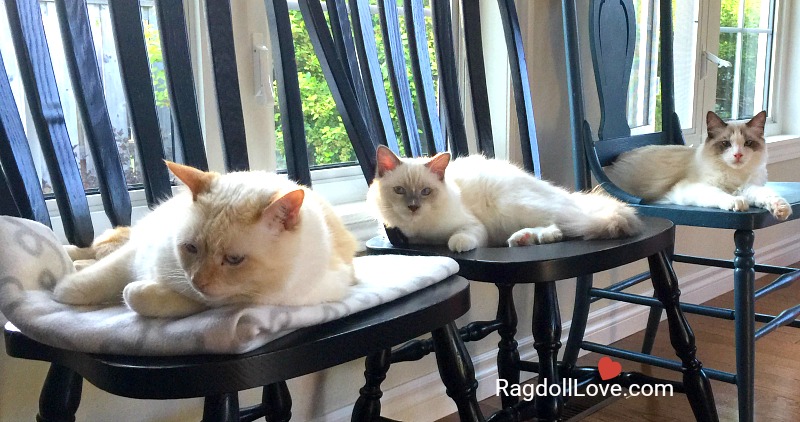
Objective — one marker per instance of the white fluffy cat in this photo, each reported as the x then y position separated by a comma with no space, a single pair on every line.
474,201
727,171
245,237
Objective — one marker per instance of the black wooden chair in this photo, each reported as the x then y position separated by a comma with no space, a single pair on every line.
218,378
354,73
617,28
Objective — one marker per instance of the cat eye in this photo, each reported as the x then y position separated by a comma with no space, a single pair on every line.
725,144
233,259
399,190
748,143
189,247
425,191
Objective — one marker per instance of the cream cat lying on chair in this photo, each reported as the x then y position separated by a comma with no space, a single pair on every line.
246,237
727,171
475,201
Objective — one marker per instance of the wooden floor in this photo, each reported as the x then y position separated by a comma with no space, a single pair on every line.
777,369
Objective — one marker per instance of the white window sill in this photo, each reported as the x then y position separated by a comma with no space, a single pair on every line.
783,148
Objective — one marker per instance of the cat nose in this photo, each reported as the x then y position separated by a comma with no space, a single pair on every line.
737,156
199,282
413,207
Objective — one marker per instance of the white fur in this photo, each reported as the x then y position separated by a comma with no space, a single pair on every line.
492,202
296,267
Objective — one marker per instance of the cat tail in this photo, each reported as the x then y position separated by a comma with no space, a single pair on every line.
103,245
601,217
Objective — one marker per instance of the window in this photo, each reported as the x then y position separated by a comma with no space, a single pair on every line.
726,60
644,96
100,21
327,139
745,43
328,143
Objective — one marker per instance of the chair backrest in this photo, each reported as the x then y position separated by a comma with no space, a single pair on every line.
18,178
612,36
346,46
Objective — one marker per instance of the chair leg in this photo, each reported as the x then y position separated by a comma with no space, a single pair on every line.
580,316
744,313
221,408
547,340
507,352
654,319
368,405
277,402
652,329
695,381
60,396
458,375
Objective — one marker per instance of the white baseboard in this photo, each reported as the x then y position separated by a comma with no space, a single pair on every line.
424,398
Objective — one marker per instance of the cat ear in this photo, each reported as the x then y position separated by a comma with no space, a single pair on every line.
758,121
197,181
285,210
714,123
438,164
386,159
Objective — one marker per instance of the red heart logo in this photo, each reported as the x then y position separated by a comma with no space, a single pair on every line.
608,368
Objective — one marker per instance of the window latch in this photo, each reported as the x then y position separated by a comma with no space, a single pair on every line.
713,58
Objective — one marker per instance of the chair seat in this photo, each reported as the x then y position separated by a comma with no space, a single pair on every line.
544,263
753,219
301,352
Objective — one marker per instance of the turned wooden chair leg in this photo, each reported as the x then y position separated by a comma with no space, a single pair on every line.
547,341
457,373
60,396
221,408
580,316
277,402
368,405
507,352
744,279
695,381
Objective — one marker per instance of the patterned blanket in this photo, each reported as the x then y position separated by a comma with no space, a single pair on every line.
32,261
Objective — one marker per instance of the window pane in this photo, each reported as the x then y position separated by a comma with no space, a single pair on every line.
326,136
729,13
757,14
327,139
745,41
640,86
740,87
644,94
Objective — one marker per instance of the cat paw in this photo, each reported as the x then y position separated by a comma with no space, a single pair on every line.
779,208
153,299
83,263
72,293
461,242
535,236
735,203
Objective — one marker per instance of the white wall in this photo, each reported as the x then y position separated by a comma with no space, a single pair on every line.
412,389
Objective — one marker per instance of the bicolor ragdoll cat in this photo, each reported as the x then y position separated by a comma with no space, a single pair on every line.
727,171
475,201
243,237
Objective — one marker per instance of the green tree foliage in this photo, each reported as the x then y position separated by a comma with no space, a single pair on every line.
326,136
325,133
156,59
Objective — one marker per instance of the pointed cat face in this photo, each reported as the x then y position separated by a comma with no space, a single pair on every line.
738,145
410,188
237,240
